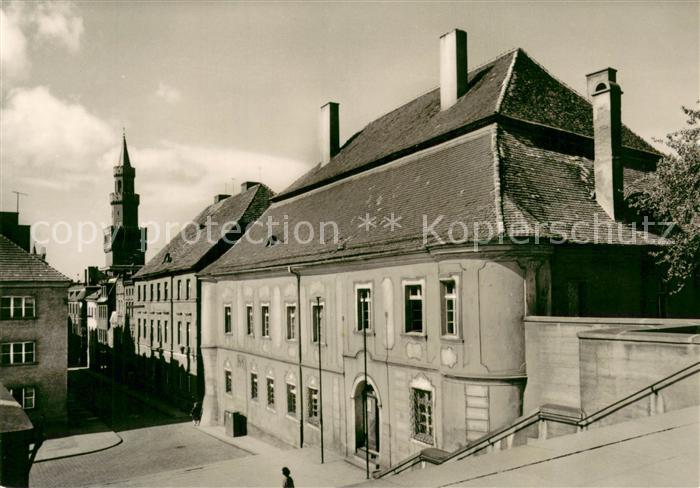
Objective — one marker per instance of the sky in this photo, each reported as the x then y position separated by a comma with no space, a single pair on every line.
214,94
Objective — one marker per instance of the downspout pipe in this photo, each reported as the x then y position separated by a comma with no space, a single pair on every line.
300,383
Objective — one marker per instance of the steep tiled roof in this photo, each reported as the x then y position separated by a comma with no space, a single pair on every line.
191,248
512,85
16,264
516,158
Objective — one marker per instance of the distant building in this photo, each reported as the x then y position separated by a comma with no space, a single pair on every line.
499,195
33,333
78,317
166,294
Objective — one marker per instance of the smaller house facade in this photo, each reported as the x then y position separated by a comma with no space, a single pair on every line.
33,334
165,295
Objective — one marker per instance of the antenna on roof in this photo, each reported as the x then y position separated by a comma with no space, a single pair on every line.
18,193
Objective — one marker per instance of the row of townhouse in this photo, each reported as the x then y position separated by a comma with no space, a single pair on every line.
388,311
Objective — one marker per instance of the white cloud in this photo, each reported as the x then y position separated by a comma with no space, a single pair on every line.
14,62
44,135
168,93
59,21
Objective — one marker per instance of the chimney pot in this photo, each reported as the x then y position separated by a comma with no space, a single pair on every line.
606,95
454,69
330,132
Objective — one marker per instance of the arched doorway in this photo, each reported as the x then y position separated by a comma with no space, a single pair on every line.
366,419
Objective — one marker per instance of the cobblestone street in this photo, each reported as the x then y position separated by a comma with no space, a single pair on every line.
152,443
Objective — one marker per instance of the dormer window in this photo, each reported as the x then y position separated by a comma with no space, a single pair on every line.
272,241
167,258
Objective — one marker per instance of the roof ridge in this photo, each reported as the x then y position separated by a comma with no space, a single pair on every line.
507,80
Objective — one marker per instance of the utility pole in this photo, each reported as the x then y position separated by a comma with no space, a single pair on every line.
18,193
364,400
320,380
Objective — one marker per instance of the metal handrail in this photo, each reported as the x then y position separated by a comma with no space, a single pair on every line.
537,415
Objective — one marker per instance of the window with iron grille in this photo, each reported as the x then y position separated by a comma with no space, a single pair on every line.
317,314
15,308
227,320
423,415
228,381
291,399
271,392
249,319
254,386
25,396
312,416
265,320
364,308
449,308
414,308
291,322
17,353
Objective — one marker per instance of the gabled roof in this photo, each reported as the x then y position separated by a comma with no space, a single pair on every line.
511,158
199,241
513,85
16,264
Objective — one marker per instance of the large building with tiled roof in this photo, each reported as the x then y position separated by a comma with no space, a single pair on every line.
33,334
164,319
417,248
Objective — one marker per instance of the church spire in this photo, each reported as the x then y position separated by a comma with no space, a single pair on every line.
124,156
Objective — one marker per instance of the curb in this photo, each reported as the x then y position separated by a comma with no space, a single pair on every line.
82,453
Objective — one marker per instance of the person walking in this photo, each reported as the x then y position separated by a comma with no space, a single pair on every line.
196,413
288,481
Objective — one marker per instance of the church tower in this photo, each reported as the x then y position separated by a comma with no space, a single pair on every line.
124,240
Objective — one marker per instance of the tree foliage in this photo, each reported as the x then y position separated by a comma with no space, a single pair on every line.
672,194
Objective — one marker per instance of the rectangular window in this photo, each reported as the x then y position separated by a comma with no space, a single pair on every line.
165,291
187,289
313,405
228,381
414,308
165,331
423,415
17,353
265,320
188,335
151,332
271,392
449,307
15,308
249,319
291,322
317,315
179,332
138,293
179,286
227,319
291,399
157,292
159,332
25,396
254,386
364,308
151,295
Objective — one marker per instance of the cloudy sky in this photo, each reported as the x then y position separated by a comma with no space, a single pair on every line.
213,94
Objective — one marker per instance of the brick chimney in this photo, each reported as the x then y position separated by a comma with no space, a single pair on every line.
330,132
453,67
605,95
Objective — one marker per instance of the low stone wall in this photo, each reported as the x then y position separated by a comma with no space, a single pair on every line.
552,354
616,363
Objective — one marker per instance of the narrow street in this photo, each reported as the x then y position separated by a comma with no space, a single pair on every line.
152,443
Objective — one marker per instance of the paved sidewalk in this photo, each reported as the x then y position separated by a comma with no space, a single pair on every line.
262,468
76,445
